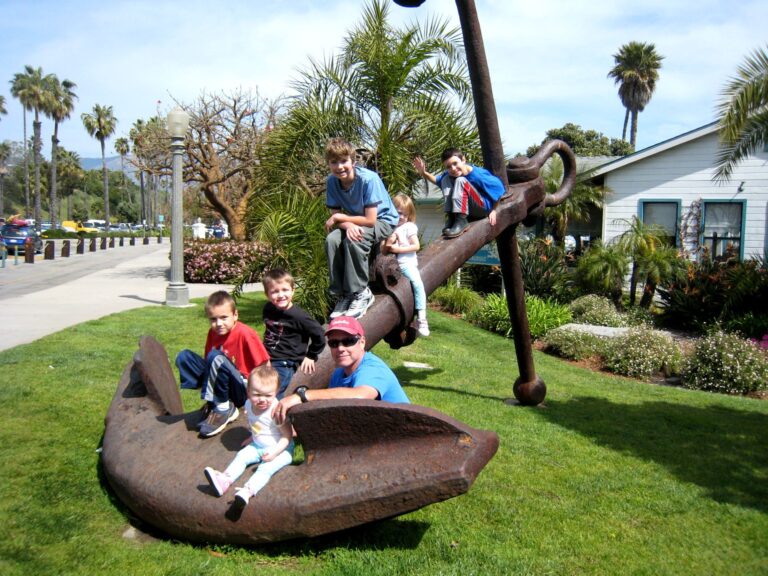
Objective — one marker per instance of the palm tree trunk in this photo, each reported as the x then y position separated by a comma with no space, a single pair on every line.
633,284
37,145
106,185
648,291
26,165
52,184
633,134
143,199
626,122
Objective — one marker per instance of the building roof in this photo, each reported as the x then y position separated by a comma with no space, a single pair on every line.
656,149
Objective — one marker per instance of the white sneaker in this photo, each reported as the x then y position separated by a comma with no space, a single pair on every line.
341,306
360,303
422,327
243,495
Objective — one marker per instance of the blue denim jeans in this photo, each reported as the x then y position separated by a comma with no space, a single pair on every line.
411,271
285,370
218,378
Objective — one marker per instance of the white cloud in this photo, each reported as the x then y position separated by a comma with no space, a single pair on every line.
548,60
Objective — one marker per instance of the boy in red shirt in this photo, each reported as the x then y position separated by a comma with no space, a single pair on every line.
232,351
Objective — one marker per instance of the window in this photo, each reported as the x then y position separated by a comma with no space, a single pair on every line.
662,214
721,232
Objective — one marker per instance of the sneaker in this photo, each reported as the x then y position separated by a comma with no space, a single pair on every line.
360,303
341,306
422,327
217,421
242,496
219,481
459,226
205,412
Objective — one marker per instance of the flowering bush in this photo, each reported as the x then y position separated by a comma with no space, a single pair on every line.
723,362
641,353
597,310
574,344
217,262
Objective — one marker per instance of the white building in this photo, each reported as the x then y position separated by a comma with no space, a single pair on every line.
670,184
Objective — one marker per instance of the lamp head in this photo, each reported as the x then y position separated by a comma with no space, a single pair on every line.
177,122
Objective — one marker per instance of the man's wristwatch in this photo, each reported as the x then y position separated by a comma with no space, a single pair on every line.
301,393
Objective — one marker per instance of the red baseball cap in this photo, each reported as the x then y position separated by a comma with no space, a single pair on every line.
346,324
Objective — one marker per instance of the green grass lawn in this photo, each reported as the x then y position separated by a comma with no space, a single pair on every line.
609,476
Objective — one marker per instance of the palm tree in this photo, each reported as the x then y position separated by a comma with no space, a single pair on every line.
638,241
61,105
5,152
70,173
602,268
122,148
18,85
576,206
100,124
743,114
32,90
659,266
391,92
636,71
2,105
394,93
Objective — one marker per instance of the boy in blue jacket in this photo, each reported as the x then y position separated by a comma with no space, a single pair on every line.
470,192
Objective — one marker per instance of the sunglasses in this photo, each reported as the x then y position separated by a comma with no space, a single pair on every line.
346,342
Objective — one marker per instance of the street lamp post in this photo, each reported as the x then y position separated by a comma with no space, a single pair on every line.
177,292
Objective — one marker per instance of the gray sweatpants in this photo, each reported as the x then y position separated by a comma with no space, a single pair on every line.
348,260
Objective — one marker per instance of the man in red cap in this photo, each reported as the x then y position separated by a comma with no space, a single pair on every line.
358,374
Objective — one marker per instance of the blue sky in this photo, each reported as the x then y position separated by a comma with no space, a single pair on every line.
548,60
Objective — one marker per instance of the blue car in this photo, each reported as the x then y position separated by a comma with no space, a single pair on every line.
15,236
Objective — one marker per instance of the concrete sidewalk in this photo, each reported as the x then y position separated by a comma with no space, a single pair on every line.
48,296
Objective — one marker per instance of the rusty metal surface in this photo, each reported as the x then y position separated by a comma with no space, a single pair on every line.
364,461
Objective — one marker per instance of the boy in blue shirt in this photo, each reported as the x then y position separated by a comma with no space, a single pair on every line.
362,214
470,192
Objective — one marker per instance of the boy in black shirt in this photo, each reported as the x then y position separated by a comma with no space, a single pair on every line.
292,337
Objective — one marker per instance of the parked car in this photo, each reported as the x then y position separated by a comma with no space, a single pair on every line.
72,226
15,236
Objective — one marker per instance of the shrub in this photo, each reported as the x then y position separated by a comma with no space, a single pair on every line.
455,299
641,353
716,290
493,315
217,262
597,310
723,362
543,315
639,316
481,278
750,324
545,270
574,344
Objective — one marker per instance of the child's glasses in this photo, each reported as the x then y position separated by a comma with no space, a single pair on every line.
346,342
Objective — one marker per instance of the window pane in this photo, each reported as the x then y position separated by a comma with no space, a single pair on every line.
722,228
662,214
723,219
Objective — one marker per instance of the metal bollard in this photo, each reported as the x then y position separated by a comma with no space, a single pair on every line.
65,249
81,245
93,245
50,249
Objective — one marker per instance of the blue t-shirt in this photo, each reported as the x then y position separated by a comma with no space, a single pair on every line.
372,372
367,190
487,183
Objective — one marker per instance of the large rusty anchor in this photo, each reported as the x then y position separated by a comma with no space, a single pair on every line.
355,470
